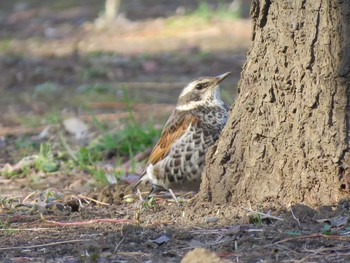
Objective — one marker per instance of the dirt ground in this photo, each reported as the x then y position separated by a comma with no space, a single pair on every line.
67,216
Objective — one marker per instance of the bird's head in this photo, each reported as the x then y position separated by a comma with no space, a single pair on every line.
201,92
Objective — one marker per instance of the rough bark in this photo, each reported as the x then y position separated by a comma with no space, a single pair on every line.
287,137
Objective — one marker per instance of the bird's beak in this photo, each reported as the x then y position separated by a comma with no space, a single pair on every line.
221,77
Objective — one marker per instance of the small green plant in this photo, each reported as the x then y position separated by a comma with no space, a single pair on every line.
52,117
129,140
203,11
100,54
92,257
5,226
124,144
7,203
94,72
46,88
345,231
45,161
25,147
32,120
99,174
97,88
294,233
256,219
326,230
5,45
85,157
149,203
28,120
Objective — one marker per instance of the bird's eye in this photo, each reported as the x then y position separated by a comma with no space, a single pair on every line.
199,86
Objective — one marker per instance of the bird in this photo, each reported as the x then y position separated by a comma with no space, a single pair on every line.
177,160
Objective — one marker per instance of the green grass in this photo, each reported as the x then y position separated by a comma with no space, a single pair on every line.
46,161
5,227
149,203
97,88
53,117
46,88
326,230
132,138
5,45
202,15
294,233
31,120
120,144
38,158
124,144
256,219
94,72
25,147
221,12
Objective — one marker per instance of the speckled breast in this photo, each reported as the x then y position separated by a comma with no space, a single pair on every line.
183,166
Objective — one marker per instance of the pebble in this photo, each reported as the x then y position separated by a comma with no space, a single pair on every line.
211,219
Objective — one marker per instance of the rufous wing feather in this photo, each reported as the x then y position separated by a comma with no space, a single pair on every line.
173,130
175,127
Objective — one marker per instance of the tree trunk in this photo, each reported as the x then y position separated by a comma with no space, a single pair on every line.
287,137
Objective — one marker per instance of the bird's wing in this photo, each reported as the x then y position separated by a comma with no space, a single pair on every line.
175,127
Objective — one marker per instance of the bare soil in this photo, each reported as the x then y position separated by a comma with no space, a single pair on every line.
66,216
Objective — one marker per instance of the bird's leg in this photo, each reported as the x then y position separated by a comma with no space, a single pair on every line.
152,190
173,196
154,187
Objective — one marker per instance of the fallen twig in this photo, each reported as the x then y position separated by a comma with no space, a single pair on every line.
140,195
313,236
296,219
28,196
255,230
263,214
26,229
231,229
20,130
46,245
330,257
118,245
327,249
92,200
79,223
132,254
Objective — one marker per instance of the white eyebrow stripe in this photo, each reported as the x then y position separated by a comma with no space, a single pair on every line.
204,101
186,90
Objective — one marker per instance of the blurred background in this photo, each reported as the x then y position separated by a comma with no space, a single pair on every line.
85,84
